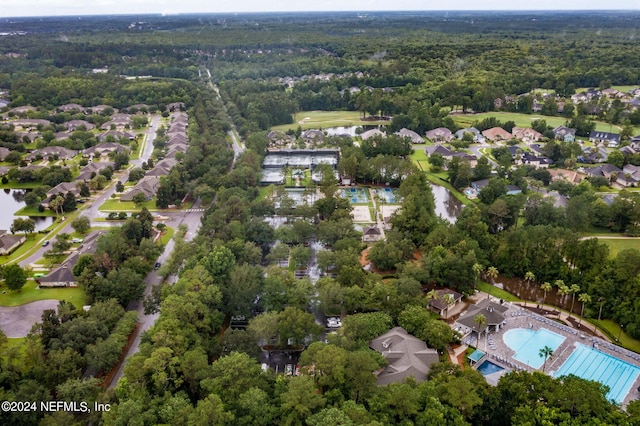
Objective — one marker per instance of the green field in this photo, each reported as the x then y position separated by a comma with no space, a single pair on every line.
30,293
115,205
324,119
524,120
617,245
618,88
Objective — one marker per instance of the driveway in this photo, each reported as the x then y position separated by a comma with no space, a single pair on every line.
16,321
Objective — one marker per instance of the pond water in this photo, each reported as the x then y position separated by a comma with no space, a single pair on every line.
447,205
351,130
12,200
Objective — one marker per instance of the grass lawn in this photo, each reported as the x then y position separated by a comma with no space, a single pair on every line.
617,245
497,292
618,88
524,120
167,234
324,119
20,185
34,212
30,293
116,205
612,329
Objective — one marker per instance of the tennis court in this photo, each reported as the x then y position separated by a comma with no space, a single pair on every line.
388,195
356,195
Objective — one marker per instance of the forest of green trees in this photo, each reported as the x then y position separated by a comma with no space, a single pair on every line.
192,368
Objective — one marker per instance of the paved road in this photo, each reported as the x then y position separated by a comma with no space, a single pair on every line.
192,220
90,209
16,321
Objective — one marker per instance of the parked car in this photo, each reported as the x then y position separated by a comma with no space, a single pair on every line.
77,240
46,243
157,266
334,322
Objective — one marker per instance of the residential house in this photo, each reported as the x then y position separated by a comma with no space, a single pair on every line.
71,107
406,133
148,186
47,152
630,175
608,139
73,125
477,136
526,134
445,152
175,106
99,109
30,124
313,137
371,133
496,134
92,169
564,133
21,110
62,276
3,153
536,161
63,188
162,168
9,242
439,135
605,170
116,135
592,155
119,121
407,357
479,185
570,176
104,149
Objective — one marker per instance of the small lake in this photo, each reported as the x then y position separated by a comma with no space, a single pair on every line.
447,205
11,201
351,130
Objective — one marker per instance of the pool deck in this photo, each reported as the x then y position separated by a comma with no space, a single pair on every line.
518,317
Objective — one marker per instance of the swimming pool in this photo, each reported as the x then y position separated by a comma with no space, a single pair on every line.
591,364
527,344
488,367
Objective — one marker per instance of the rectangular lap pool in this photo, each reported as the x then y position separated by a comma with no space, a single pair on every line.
591,364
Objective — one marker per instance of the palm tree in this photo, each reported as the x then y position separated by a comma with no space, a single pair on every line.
477,271
431,295
529,277
559,284
563,290
492,272
573,289
584,298
448,299
546,286
545,353
481,321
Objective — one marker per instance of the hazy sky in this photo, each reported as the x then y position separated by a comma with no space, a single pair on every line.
101,7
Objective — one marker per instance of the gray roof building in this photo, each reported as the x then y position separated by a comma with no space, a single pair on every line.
407,355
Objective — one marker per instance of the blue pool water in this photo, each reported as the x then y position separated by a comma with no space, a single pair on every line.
488,367
591,364
527,344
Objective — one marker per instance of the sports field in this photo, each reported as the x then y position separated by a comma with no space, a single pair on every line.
525,120
324,119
